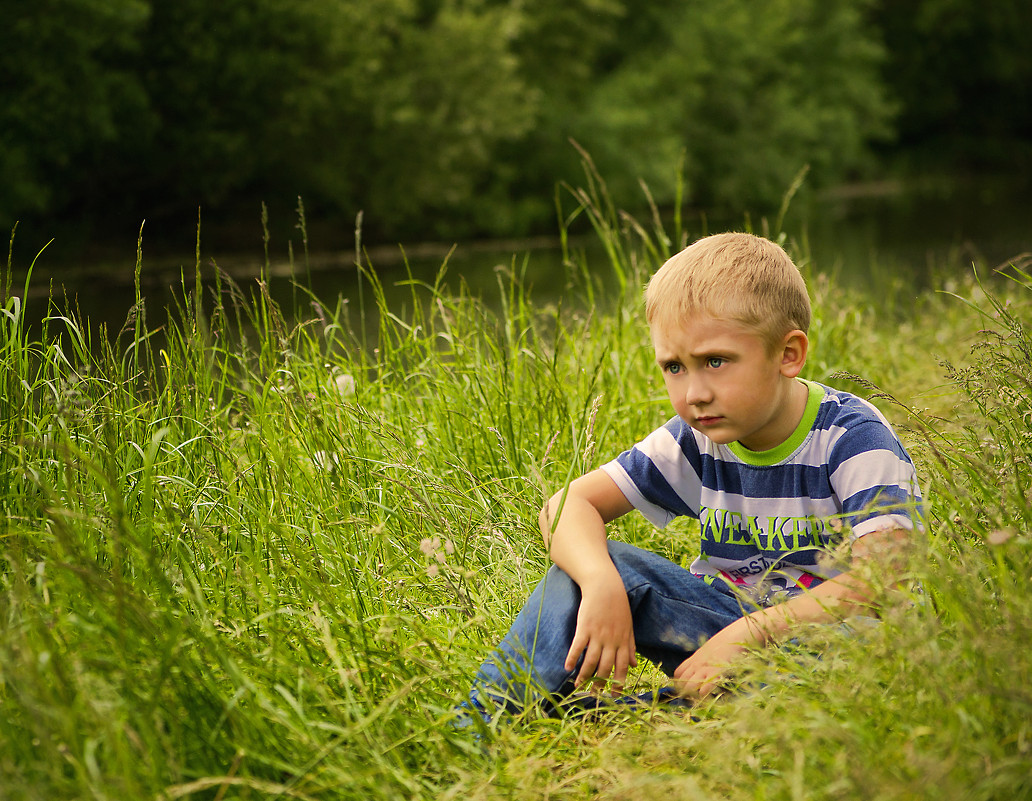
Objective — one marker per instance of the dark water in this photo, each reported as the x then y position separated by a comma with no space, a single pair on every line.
922,237
866,238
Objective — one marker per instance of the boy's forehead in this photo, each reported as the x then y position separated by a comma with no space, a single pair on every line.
700,331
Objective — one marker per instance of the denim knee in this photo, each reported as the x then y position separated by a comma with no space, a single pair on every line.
626,556
638,566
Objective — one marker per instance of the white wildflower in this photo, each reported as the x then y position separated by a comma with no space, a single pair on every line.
345,384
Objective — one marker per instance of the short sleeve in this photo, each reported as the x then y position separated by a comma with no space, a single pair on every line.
875,479
661,475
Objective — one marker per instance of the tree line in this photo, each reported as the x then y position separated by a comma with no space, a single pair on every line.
454,117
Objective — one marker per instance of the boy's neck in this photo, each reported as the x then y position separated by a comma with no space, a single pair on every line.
797,395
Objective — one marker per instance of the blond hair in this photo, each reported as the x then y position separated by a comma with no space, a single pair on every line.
732,276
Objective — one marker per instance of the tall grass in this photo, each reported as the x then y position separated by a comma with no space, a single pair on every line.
262,556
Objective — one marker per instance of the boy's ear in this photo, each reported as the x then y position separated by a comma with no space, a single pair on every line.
793,353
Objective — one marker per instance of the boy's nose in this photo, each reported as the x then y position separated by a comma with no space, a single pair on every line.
698,393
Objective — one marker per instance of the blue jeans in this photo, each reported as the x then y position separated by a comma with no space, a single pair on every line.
672,609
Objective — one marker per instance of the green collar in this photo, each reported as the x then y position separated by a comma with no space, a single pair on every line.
781,452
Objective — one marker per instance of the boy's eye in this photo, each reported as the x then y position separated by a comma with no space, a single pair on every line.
673,368
715,362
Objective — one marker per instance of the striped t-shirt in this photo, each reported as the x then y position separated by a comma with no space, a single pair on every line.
767,517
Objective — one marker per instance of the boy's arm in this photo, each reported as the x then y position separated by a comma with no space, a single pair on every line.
573,527
832,600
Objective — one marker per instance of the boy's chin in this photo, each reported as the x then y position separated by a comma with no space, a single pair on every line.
716,437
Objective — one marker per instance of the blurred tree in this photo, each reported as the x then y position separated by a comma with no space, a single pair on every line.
750,92
66,85
453,117
240,91
391,106
561,49
962,73
447,95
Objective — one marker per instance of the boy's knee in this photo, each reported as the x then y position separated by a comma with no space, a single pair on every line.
632,563
556,574
623,554
557,582
638,567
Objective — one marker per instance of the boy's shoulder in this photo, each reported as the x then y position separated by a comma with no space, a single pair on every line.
848,426
841,409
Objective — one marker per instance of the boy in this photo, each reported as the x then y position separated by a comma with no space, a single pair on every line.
776,469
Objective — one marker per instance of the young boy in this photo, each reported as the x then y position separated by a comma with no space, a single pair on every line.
776,469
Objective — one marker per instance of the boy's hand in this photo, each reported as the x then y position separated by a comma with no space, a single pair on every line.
605,634
577,544
699,675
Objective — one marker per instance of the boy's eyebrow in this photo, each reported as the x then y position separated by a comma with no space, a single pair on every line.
664,356
726,353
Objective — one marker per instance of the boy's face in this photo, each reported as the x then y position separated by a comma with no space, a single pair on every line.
724,381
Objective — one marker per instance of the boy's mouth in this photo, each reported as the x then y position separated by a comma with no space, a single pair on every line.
708,420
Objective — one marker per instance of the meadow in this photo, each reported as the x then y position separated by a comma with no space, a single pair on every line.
259,553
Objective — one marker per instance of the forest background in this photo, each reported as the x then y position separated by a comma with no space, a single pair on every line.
444,119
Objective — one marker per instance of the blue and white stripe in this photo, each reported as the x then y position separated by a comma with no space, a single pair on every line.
849,472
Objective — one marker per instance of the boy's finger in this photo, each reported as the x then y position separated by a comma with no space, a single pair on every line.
576,649
605,665
588,666
620,669
688,684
